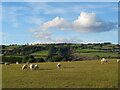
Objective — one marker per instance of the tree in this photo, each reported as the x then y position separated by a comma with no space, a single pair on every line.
51,52
25,59
40,60
2,46
11,59
65,52
55,59
97,57
113,48
28,58
31,59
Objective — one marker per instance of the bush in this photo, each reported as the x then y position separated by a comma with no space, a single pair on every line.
54,59
67,59
25,59
40,60
97,57
11,59
28,58
32,60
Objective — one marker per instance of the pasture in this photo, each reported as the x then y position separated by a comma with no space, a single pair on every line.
98,53
77,74
40,54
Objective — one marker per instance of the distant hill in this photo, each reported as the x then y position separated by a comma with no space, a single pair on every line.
81,51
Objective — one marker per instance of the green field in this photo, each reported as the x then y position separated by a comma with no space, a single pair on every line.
79,74
98,53
88,50
12,47
85,52
40,53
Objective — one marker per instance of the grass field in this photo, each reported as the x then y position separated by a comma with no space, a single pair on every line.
79,74
98,53
88,50
40,53
12,47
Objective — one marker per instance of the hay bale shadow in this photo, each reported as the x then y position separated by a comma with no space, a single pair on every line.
45,69
68,67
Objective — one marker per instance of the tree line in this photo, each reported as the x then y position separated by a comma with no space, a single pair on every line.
25,59
56,52
62,53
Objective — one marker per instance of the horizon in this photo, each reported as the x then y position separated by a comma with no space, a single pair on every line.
61,43
83,22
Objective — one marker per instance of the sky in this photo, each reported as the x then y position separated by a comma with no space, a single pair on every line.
84,22
60,0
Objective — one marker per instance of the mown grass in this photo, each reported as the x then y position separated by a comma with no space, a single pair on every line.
79,74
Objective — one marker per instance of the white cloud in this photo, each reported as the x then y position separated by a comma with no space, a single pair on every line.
44,31
86,20
33,8
85,23
55,23
66,39
57,40
42,34
90,23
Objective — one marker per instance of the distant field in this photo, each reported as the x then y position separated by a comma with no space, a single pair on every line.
79,74
88,50
97,53
43,54
12,47
14,56
104,47
40,53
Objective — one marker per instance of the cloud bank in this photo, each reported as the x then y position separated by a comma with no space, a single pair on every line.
85,23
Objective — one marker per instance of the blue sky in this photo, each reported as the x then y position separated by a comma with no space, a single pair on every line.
25,22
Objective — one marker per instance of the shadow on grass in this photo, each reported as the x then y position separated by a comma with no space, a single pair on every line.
45,69
68,67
